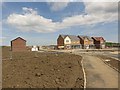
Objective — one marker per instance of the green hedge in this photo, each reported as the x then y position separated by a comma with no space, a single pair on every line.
110,44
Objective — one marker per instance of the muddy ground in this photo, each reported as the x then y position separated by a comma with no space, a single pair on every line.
41,70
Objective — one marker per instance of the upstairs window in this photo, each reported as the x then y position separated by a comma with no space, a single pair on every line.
67,40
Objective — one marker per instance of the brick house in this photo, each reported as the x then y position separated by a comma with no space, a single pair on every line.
68,42
60,41
99,42
18,45
86,42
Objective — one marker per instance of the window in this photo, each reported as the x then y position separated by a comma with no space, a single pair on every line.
67,40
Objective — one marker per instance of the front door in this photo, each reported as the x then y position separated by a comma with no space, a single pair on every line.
68,46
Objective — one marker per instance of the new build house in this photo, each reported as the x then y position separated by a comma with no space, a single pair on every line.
18,45
68,42
99,42
60,41
86,42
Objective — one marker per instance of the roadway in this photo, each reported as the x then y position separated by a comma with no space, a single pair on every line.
98,74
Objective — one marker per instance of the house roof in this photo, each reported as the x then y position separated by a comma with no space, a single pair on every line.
88,37
18,38
98,38
72,37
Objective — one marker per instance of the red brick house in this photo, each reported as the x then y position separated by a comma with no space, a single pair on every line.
60,41
18,45
86,42
99,42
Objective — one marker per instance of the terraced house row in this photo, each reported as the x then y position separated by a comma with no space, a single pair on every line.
80,42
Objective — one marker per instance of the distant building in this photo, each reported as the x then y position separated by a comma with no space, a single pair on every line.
86,42
43,47
99,42
34,48
52,47
18,45
60,41
68,42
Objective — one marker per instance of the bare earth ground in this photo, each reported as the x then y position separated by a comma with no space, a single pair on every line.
43,69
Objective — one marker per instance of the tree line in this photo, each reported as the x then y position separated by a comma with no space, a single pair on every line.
111,44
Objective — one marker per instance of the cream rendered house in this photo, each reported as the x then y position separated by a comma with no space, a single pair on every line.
67,42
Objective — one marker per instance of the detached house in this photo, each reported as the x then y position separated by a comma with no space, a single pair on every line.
86,42
99,42
18,45
68,42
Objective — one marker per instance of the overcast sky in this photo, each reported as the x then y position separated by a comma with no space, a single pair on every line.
40,23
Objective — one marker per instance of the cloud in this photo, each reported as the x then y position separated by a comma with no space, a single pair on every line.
103,10
31,21
29,10
94,13
57,6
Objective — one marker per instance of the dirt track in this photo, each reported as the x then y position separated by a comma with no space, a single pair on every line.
48,70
